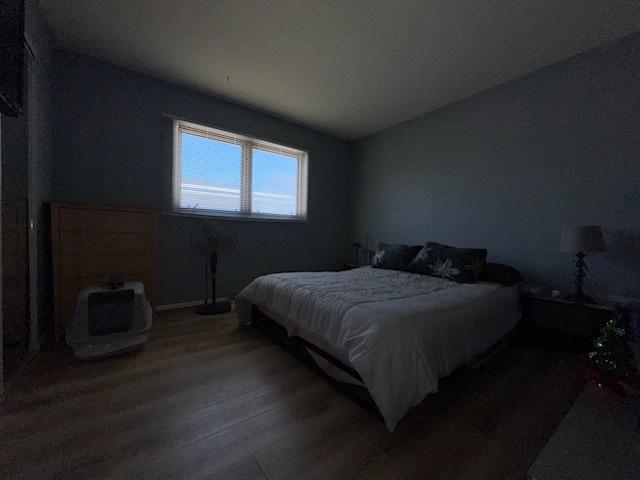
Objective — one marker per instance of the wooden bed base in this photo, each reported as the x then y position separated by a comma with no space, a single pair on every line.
299,348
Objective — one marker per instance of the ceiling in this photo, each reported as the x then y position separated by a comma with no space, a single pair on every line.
349,68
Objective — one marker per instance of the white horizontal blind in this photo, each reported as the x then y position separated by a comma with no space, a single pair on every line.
218,172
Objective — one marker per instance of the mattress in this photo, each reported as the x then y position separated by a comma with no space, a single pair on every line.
400,331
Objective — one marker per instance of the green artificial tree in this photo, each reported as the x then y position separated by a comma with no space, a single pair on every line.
611,354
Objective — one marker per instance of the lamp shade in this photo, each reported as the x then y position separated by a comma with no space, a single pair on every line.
587,239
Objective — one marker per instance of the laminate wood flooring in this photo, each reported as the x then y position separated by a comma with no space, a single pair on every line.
206,399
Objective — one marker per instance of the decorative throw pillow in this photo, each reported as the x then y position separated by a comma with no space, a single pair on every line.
393,257
462,265
499,273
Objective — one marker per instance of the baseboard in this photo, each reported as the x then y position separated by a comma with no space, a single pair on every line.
176,306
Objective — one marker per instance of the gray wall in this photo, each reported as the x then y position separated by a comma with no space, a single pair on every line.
27,159
112,145
40,99
507,168
15,167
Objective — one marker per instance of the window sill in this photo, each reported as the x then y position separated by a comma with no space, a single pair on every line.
236,218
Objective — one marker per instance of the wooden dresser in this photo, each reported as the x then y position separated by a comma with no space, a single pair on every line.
561,323
90,242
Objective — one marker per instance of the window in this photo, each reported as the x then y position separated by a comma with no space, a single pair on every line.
223,173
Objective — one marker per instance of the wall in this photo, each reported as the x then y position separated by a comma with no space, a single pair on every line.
113,146
15,166
507,168
40,166
26,162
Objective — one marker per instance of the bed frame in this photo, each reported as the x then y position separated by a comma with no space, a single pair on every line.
298,348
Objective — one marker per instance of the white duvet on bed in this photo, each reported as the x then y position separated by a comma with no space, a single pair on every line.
399,331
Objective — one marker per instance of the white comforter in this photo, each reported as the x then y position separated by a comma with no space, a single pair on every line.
399,331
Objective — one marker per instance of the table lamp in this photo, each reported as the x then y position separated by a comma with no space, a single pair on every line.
579,241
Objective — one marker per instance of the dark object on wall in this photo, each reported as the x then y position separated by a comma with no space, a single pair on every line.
579,241
11,56
462,265
212,241
393,257
499,273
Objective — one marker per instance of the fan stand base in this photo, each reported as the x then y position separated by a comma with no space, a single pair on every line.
213,308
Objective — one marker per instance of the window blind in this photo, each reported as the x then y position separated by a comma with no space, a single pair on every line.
222,173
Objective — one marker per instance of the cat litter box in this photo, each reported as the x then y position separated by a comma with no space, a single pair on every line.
109,320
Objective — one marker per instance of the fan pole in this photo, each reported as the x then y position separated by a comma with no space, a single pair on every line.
214,307
212,241
213,264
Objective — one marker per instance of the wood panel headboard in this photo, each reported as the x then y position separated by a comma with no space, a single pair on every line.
90,242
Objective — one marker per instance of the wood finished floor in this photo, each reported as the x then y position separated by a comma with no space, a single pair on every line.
13,358
206,399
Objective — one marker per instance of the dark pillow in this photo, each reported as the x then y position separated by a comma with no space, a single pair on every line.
393,257
462,265
499,273
413,251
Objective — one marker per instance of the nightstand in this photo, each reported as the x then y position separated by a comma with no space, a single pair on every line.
561,323
351,266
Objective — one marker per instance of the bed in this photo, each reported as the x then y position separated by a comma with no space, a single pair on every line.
399,331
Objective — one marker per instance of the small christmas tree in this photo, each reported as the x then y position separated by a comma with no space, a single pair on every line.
611,354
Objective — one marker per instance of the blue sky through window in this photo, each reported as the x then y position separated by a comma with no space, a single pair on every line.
274,183
208,160
211,177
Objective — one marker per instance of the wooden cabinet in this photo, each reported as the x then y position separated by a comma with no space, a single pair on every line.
563,323
351,266
91,242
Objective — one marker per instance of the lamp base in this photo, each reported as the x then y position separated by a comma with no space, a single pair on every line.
213,308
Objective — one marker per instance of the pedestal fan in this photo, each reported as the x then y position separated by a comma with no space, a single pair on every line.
212,241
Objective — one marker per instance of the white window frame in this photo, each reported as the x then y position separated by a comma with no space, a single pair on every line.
247,143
